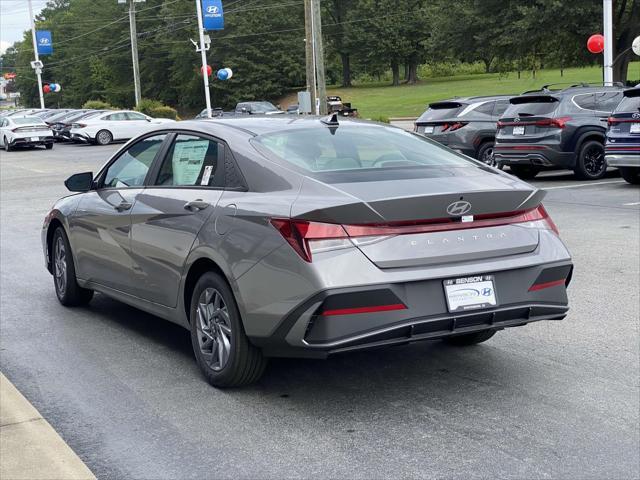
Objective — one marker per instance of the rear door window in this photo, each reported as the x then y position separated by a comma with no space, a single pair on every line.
485,108
192,161
585,101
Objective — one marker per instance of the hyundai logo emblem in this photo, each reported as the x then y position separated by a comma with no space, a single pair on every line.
517,119
457,209
212,9
635,115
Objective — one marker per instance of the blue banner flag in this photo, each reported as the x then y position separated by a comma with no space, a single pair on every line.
213,15
43,40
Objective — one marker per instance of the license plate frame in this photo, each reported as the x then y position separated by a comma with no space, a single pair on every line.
465,294
519,130
635,128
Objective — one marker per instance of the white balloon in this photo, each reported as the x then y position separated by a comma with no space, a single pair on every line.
636,46
230,73
58,87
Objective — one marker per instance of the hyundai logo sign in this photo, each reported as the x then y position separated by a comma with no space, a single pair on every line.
213,9
457,209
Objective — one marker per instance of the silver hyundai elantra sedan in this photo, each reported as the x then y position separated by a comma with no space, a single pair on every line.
306,237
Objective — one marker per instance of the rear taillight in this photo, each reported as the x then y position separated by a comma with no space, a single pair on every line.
612,121
553,122
78,125
452,127
615,120
307,238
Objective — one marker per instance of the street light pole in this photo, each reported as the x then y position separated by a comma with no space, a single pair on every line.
607,8
319,56
134,50
35,52
203,54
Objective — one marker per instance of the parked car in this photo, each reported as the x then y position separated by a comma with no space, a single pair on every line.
21,131
215,112
344,109
306,237
60,116
467,125
557,129
293,109
622,149
58,126
113,125
258,108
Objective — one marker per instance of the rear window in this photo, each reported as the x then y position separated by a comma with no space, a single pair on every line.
533,108
376,150
440,111
629,104
27,120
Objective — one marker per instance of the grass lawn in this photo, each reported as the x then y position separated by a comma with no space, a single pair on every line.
376,100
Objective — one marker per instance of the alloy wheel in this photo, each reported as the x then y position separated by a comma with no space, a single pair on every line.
488,158
214,329
60,265
594,162
104,138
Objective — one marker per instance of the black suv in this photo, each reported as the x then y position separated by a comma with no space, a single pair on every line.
622,149
467,125
557,129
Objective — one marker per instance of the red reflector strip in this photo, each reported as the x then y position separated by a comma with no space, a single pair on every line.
520,147
623,149
372,309
542,286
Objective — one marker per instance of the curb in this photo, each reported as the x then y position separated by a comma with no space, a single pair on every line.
30,448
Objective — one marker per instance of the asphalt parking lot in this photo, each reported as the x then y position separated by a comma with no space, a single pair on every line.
549,400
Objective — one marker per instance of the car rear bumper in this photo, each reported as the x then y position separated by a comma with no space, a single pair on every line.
623,160
535,155
28,142
80,137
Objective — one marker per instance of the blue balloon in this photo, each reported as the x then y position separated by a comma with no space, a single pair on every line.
222,74
53,87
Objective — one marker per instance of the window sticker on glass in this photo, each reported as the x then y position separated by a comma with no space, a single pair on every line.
206,175
188,158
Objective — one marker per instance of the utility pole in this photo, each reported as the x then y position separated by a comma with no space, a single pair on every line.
203,55
134,50
319,55
607,9
310,57
37,68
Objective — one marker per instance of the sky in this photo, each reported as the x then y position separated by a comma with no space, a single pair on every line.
14,20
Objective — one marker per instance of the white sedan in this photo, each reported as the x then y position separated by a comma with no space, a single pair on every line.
113,125
26,131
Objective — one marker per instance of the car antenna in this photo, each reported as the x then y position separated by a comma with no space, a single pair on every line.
331,120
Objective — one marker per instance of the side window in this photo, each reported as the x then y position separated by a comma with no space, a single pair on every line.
607,101
135,116
500,108
486,108
192,161
116,117
585,101
130,169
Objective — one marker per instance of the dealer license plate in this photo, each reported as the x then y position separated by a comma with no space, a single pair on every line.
35,139
635,128
518,130
470,293
428,129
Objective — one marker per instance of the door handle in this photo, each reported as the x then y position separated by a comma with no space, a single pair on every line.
196,205
123,206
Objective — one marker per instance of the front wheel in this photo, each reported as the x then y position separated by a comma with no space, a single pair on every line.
68,291
485,154
630,174
470,338
591,164
525,172
222,350
104,137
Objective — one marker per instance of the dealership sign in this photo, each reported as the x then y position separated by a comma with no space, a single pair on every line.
212,15
43,40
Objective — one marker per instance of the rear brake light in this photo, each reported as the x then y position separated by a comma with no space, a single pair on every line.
307,237
78,125
356,310
559,122
457,126
615,120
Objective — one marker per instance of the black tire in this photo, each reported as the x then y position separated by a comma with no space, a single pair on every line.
591,164
48,146
7,147
470,338
525,172
104,137
69,293
485,154
630,174
244,363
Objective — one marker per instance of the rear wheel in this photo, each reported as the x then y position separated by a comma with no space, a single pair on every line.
222,350
470,338
64,273
591,164
48,146
485,154
525,172
104,137
630,174
7,147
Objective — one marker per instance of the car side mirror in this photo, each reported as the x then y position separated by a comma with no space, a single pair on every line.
80,182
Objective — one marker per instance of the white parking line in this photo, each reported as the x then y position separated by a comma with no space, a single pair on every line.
631,204
592,184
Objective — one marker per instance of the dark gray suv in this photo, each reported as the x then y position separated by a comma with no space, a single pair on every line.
557,129
467,125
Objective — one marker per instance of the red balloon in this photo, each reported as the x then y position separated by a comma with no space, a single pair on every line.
595,44
46,89
209,70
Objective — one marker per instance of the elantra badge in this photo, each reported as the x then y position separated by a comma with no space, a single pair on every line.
459,208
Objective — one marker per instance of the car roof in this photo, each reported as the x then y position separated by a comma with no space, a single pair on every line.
476,99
